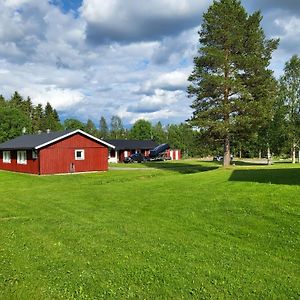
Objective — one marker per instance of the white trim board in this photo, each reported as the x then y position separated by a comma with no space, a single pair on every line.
72,133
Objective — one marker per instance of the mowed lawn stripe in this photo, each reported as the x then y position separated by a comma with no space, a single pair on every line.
134,234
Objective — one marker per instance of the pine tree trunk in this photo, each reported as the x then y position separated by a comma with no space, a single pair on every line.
299,156
240,153
269,156
259,154
294,153
226,158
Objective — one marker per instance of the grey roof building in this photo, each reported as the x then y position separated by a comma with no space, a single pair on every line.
36,141
132,144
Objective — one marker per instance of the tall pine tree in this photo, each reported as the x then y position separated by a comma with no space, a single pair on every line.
231,85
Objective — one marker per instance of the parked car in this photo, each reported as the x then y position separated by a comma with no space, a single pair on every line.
220,157
136,157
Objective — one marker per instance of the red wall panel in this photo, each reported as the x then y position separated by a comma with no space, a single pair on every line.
58,157
30,167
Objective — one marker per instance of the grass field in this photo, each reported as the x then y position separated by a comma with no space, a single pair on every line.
185,230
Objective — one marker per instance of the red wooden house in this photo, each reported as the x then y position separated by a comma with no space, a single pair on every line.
55,152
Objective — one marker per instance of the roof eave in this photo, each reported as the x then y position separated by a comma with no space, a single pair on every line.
72,133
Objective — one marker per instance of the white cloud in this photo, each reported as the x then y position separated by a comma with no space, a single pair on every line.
172,81
59,98
115,56
291,26
15,3
125,21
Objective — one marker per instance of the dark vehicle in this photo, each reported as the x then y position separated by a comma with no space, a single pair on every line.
136,157
220,157
157,151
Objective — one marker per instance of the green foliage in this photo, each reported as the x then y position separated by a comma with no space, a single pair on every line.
16,100
103,128
158,133
232,88
159,234
12,123
290,95
91,128
50,119
2,101
116,128
141,130
70,124
37,118
181,137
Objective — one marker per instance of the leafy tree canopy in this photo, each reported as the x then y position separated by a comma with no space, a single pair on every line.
141,130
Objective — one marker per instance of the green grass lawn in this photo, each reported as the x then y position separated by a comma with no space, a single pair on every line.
184,230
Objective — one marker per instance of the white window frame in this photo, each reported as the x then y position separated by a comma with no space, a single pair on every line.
82,154
22,157
6,157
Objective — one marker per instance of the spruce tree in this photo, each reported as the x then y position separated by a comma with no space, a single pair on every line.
50,119
37,118
90,127
16,100
103,128
231,84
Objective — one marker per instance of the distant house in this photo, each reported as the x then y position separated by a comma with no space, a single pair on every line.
124,148
55,152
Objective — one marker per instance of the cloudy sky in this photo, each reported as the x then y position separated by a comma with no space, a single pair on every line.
127,57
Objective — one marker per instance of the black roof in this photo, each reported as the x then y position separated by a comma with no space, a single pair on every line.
30,141
132,144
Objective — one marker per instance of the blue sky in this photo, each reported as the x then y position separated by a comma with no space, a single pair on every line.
67,5
131,58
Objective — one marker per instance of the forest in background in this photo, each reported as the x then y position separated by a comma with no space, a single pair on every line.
18,115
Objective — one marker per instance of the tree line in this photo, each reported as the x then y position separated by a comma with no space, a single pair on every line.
19,116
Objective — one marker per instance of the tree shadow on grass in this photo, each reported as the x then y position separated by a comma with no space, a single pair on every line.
274,176
183,168
249,163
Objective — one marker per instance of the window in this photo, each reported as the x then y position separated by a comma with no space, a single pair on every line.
21,157
112,153
6,157
79,154
34,154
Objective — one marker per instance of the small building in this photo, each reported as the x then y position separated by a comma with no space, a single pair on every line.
124,148
174,154
55,152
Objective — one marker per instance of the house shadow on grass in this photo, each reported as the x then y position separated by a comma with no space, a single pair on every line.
274,176
183,168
